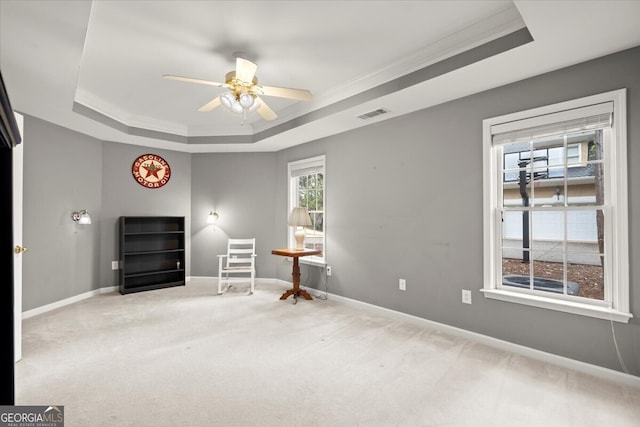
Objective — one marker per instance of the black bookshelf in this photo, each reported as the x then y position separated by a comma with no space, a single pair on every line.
152,253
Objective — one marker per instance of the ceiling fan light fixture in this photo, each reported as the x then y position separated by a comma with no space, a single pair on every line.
236,107
246,100
244,93
227,99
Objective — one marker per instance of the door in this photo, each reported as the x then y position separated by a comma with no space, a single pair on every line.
17,243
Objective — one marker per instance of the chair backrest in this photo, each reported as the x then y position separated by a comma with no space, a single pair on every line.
241,252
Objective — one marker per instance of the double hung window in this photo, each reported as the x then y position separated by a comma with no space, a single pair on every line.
307,190
555,213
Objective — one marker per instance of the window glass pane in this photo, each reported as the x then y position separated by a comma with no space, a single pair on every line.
548,272
312,196
512,228
595,145
547,229
511,158
586,277
513,255
549,151
510,166
540,171
522,190
320,187
585,252
511,194
582,226
302,191
541,191
515,271
585,185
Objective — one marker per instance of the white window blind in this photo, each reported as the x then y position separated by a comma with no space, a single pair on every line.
596,116
306,170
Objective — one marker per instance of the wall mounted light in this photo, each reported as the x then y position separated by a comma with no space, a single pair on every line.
212,218
81,217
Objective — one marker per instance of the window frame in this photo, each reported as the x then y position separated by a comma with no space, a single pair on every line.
616,304
292,201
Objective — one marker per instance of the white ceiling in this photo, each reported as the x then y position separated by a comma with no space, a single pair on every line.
96,67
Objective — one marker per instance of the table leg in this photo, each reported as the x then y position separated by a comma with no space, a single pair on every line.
296,291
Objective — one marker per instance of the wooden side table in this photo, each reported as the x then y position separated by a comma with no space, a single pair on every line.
295,254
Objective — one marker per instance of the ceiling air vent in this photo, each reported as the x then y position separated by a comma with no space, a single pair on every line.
373,113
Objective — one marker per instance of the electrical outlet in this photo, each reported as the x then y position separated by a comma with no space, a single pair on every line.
328,270
115,265
466,296
402,285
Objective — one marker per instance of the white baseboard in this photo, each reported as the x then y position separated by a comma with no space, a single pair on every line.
565,362
45,308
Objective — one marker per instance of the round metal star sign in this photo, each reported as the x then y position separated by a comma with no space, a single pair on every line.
151,171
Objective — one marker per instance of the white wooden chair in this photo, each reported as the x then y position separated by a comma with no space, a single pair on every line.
238,264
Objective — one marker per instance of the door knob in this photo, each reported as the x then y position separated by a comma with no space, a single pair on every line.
20,249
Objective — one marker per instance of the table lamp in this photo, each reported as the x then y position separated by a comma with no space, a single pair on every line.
299,218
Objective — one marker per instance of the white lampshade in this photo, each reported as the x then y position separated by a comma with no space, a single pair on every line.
227,99
246,100
240,103
299,217
236,107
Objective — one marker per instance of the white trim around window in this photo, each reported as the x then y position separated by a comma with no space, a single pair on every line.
565,117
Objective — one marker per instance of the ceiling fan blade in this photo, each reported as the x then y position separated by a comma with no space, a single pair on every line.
192,80
245,70
210,105
285,92
265,111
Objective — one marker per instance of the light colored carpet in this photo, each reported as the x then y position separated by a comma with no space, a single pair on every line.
187,357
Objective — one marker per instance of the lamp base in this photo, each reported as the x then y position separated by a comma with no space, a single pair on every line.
299,235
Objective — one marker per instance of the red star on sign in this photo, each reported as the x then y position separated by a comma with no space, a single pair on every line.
152,169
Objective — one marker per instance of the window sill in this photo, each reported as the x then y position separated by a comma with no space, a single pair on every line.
558,305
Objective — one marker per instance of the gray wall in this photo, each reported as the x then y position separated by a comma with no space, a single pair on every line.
123,196
241,189
61,175
65,171
404,200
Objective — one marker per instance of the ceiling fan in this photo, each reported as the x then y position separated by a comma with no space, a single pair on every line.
244,91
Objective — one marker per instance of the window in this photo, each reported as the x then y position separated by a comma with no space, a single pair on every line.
307,189
555,207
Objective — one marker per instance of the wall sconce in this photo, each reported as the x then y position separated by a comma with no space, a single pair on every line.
81,217
212,218
299,218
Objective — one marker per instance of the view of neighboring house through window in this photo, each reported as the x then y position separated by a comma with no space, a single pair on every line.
551,206
556,215
307,189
